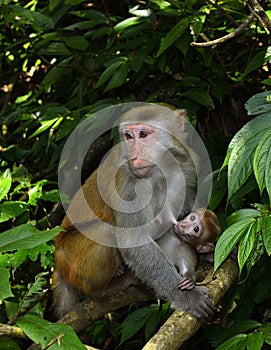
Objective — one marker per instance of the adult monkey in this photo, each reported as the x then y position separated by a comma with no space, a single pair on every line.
124,207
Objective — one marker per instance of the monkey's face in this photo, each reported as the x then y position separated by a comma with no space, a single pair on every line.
190,228
140,140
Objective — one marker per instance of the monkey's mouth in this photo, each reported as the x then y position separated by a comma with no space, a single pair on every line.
142,171
180,233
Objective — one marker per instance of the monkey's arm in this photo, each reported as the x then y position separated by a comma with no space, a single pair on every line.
152,267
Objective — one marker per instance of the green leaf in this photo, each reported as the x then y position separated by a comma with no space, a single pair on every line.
152,322
8,343
200,96
107,74
242,214
134,322
43,332
242,149
255,341
118,77
262,160
10,209
38,20
267,332
173,35
238,342
228,240
5,291
76,42
57,48
45,124
266,233
268,172
53,4
25,236
96,16
259,103
133,31
257,251
197,25
35,193
51,196
256,62
246,245
5,183
217,335
121,26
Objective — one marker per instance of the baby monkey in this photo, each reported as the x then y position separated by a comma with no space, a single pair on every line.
196,233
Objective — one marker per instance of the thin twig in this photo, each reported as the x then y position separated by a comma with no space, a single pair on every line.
224,13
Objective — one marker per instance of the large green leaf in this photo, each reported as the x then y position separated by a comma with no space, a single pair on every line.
107,74
43,332
259,103
242,214
25,236
257,61
200,96
238,342
228,240
173,35
5,291
255,341
267,332
134,322
266,232
268,172
262,160
118,77
10,209
76,42
246,245
241,151
132,21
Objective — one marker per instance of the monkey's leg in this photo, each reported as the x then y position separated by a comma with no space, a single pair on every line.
65,296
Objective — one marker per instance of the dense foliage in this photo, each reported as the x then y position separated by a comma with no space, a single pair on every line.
61,61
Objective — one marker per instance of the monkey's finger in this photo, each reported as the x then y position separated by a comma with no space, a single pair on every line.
186,284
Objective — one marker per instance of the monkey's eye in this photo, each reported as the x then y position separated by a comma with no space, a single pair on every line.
128,136
143,134
193,218
196,229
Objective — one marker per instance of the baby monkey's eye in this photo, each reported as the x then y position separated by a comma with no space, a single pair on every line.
193,217
196,229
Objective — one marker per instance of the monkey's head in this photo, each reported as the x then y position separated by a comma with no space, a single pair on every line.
200,229
149,133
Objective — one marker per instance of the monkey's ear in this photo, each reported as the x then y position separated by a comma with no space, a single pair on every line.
181,118
206,248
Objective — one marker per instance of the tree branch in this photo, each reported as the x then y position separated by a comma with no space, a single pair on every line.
12,331
180,326
221,40
259,13
89,311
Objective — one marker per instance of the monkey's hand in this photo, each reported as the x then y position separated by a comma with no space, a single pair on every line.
150,265
196,302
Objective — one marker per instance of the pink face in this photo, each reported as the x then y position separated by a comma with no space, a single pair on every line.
139,139
190,228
